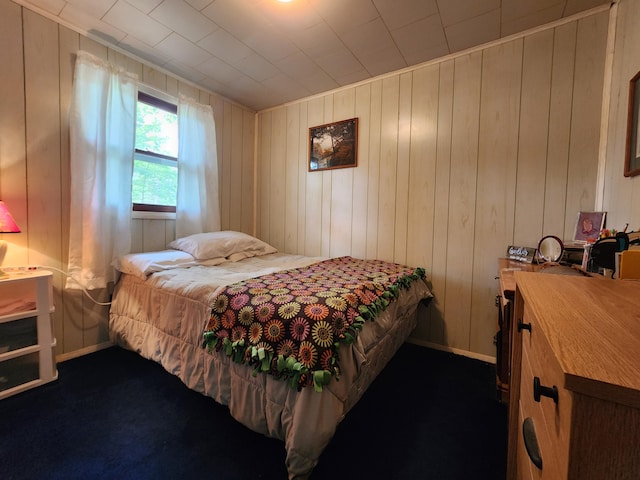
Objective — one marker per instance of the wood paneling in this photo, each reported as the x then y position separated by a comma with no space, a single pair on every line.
457,159
13,185
496,182
622,194
35,90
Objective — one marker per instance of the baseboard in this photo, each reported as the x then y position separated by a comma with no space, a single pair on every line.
83,351
457,351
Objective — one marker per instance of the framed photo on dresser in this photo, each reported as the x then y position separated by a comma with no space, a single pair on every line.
589,225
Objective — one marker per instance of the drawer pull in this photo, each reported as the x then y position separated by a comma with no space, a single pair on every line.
523,326
542,391
531,442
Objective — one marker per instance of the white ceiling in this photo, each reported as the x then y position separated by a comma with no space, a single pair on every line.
262,53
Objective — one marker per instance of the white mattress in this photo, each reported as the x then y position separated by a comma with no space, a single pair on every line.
163,318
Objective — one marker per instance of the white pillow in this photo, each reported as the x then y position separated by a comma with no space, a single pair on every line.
226,244
142,264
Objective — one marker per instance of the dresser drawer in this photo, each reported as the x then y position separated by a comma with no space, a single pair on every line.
545,367
18,334
546,440
19,370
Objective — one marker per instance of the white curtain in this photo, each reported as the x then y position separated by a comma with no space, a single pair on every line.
198,205
102,134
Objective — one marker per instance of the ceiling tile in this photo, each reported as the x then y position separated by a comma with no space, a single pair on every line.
410,11
577,6
531,20
132,21
222,71
144,5
456,11
96,8
515,9
317,41
199,4
318,82
184,71
340,63
271,44
237,16
416,39
285,87
343,15
293,16
428,54
92,25
244,94
353,77
183,19
142,50
297,65
383,61
225,46
476,31
256,67
179,47
368,38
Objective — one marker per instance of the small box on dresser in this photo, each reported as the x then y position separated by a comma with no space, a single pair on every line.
27,358
574,409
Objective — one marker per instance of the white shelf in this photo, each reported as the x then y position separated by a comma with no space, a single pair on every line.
26,331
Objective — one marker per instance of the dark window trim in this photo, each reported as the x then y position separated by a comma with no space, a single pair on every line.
156,102
147,207
156,155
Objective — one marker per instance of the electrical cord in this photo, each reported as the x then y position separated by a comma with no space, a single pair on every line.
48,267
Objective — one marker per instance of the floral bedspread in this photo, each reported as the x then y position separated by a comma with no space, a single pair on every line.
291,323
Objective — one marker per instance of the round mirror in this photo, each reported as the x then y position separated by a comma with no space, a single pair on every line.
550,248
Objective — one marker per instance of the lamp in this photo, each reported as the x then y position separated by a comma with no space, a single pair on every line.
7,225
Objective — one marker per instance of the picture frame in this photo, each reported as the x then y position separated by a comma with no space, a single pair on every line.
589,225
333,145
632,158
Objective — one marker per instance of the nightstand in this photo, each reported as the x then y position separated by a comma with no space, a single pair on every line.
26,331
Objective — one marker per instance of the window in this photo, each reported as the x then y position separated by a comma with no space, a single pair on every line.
155,165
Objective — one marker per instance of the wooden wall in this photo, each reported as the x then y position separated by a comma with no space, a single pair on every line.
37,57
457,159
621,195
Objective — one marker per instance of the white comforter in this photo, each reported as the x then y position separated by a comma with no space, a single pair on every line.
163,318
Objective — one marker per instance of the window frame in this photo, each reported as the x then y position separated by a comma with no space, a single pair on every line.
145,155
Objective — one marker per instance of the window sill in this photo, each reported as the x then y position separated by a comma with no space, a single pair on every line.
139,215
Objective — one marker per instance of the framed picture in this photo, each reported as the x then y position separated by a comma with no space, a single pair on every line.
333,145
632,160
589,225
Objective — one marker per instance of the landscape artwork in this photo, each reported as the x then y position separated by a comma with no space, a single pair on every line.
333,145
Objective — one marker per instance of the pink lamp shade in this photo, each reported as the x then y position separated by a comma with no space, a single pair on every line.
7,223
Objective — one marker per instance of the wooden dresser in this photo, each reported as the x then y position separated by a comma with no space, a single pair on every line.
504,302
574,408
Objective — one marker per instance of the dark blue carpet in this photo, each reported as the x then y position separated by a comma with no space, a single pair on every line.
114,415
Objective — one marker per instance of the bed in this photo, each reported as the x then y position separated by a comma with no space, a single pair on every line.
173,307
